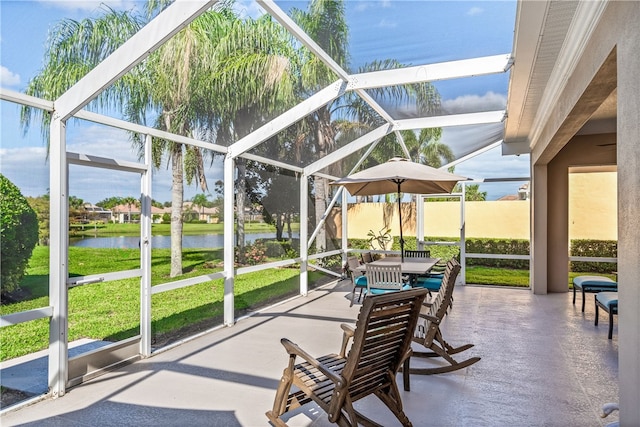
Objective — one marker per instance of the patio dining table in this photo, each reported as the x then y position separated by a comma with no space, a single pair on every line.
412,266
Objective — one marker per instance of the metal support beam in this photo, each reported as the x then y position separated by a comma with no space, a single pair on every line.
58,258
348,149
229,169
432,72
304,226
150,37
145,251
451,120
324,217
288,118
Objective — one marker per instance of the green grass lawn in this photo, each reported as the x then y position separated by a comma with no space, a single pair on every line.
111,310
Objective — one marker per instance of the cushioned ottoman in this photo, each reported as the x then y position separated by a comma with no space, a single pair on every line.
592,284
608,301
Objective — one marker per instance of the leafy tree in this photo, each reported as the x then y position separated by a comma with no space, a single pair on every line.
472,193
40,205
281,202
110,202
18,235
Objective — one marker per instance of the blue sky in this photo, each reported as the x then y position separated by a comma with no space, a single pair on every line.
412,32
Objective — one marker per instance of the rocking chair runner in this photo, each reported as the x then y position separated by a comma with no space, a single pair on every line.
381,343
429,335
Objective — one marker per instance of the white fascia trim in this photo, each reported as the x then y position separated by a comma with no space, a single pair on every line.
515,148
288,118
585,21
348,149
28,100
451,120
432,72
150,37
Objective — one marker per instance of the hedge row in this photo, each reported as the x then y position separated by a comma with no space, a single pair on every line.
592,248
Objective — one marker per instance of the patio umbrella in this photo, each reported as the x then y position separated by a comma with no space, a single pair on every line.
401,176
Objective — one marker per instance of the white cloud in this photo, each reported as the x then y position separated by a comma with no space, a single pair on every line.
28,168
475,11
8,78
387,24
472,103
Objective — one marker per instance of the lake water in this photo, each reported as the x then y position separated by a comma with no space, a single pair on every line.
196,241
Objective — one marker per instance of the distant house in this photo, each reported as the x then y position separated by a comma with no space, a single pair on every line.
523,194
191,212
96,213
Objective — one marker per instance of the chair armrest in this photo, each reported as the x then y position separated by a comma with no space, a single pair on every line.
349,331
295,350
430,318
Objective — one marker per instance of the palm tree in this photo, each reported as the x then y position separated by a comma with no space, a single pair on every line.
325,23
200,79
200,200
130,201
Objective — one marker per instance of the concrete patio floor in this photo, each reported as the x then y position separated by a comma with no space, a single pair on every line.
543,363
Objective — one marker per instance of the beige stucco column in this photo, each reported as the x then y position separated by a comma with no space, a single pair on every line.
538,263
629,213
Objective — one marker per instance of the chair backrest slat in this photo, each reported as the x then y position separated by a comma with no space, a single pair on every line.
439,304
387,277
382,339
409,253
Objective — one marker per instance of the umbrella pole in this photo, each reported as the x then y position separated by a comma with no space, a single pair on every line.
400,216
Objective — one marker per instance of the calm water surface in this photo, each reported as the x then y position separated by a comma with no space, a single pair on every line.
197,241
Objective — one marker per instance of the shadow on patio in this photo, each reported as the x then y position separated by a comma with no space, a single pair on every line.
543,363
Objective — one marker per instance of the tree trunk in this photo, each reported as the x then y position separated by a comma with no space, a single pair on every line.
289,226
321,207
177,194
240,202
279,226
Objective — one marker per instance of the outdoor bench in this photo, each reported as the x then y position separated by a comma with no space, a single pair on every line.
608,301
592,284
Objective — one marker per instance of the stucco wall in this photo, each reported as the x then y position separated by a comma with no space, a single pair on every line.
593,209
592,214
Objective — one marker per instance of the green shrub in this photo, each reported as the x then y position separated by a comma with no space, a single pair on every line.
593,248
498,246
19,235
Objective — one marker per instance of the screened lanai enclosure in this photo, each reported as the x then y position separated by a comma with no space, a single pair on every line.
260,106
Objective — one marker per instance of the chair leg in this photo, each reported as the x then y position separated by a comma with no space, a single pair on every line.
610,323
353,296
583,300
282,397
574,294
596,303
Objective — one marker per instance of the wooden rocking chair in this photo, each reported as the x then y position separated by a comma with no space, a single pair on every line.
429,335
381,343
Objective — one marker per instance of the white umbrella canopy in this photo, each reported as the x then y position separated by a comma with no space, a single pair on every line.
400,175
